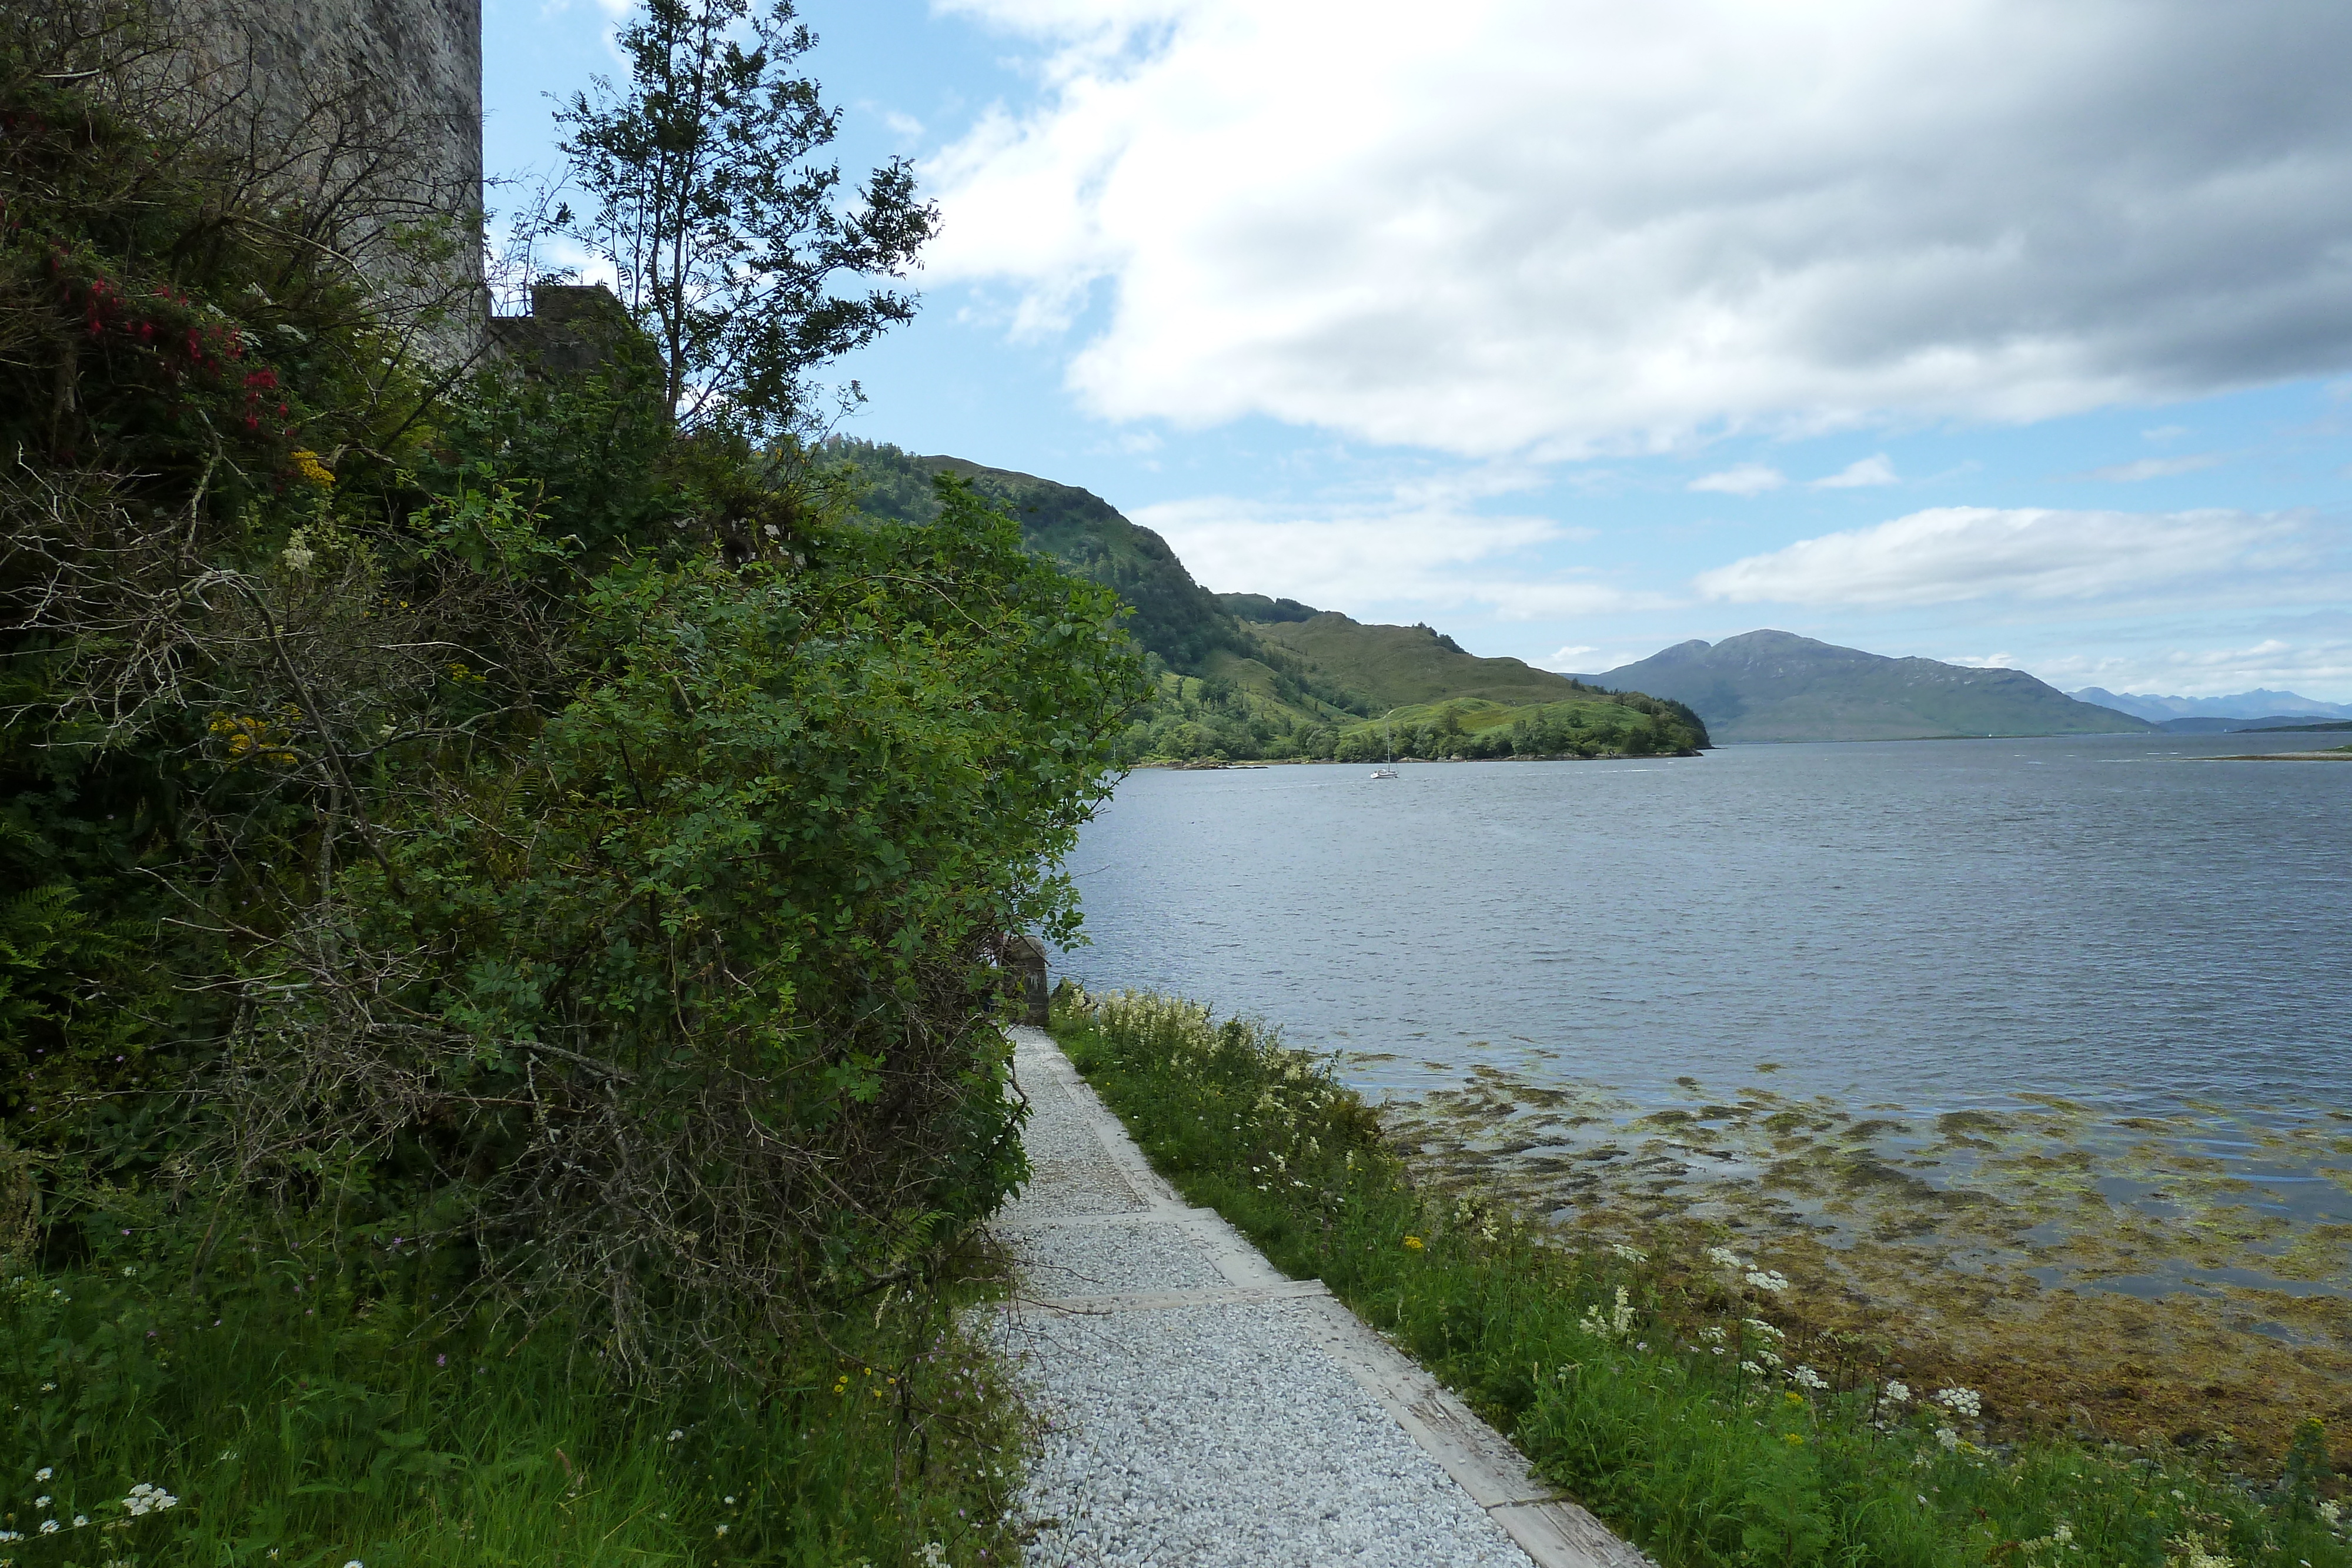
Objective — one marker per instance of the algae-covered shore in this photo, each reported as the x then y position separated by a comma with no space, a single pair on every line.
2181,1279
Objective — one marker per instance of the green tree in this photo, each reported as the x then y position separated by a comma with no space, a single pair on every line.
725,231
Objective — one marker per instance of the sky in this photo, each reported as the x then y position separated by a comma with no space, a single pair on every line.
1985,331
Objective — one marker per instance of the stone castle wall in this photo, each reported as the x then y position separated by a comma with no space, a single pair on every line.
379,97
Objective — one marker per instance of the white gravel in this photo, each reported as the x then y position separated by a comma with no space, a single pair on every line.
1225,1438
1098,1259
1196,1436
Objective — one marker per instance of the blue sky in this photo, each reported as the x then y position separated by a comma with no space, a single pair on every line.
1974,330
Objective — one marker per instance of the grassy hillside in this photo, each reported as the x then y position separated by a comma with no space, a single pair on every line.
1241,676
1775,686
1383,666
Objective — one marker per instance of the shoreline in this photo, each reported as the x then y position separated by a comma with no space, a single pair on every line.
1211,767
2337,754
1687,1385
2092,1273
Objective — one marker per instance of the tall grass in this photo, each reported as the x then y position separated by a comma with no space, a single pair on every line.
299,1408
1659,1391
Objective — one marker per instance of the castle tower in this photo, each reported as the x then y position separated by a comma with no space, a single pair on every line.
374,105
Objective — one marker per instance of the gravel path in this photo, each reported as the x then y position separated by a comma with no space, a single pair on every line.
1202,1411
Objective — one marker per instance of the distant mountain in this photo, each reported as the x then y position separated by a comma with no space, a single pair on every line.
1777,687
2234,726
2256,704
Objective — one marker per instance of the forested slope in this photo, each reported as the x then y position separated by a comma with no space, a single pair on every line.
1242,676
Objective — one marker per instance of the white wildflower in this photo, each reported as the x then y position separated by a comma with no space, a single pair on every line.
2194,1554
48,1527
1751,1369
1766,1329
1899,1393
40,1503
1711,1335
1631,1254
1806,1377
1770,1279
145,1498
934,1556
1725,1258
81,1520
1615,1325
2332,1511
1949,1438
44,1473
1963,1402
676,1435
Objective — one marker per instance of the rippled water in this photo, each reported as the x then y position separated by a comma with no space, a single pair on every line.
1941,924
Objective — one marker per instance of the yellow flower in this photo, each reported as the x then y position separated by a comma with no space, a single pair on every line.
1794,1439
1413,1244
307,463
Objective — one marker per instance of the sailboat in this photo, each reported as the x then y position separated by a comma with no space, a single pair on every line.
1388,770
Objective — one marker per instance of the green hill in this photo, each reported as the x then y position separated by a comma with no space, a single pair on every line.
1777,687
1242,676
1383,666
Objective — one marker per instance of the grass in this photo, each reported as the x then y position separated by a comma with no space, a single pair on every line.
302,1408
1658,1391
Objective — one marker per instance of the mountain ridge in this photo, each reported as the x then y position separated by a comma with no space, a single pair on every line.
2257,703
1255,676
1769,686
1248,676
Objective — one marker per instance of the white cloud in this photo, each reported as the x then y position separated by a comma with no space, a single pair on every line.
2164,433
1953,554
2317,667
1561,226
2153,468
1575,657
1411,551
1747,479
1860,474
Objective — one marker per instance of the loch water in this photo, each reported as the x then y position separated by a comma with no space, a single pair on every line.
2117,921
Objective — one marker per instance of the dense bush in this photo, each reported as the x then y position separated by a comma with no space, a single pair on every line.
449,804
